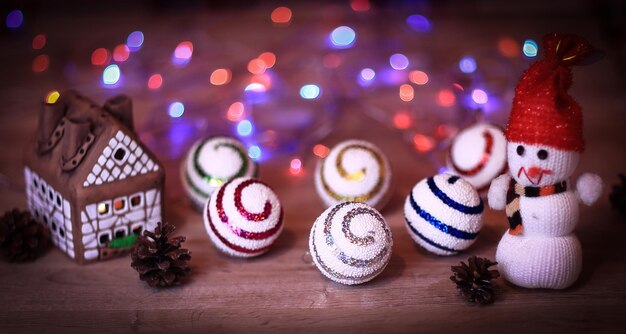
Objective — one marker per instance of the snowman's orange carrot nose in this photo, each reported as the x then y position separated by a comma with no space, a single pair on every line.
534,171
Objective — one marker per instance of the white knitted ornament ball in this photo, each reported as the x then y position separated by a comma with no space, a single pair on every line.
350,243
243,217
354,171
443,214
478,154
212,162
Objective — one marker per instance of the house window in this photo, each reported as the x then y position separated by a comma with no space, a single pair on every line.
119,154
137,229
104,209
119,204
135,201
104,238
120,232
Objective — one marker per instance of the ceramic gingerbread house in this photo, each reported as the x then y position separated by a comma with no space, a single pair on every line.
90,179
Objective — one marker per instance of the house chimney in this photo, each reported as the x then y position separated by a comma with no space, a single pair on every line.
121,107
78,107
50,114
75,136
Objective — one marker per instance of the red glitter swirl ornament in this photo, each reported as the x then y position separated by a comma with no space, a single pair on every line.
483,160
478,154
237,230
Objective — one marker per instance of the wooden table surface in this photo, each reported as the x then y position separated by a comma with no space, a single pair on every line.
281,291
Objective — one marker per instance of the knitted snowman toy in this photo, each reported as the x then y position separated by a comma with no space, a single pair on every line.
544,143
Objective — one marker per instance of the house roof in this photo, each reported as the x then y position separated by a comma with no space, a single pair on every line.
81,144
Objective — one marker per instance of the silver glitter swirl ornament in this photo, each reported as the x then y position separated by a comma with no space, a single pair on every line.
354,171
350,243
212,162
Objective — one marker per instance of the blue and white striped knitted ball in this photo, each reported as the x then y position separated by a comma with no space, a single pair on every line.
444,214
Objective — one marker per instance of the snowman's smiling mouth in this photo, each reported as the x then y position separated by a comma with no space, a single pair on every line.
534,174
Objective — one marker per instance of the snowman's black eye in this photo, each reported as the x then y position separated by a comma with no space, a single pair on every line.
520,150
542,154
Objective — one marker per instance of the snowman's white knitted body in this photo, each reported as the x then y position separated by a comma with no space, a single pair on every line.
546,254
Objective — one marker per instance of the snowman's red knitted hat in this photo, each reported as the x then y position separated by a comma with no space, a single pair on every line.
543,112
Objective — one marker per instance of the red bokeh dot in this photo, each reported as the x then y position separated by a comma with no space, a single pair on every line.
39,42
121,53
446,98
402,120
100,57
281,15
155,81
41,63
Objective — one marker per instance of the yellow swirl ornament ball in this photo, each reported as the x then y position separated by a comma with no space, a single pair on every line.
354,171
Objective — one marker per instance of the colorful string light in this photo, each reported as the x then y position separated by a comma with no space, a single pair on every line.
235,112
342,37
176,109
111,75
467,65
310,92
41,63
121,53
39,42
281,16
418,77
52,97
295,166
134,41
418,23
372,74
480,96
530,48
321,150
221,76
398,61
182,54
244,128
254,152
155,81
100,57
14,19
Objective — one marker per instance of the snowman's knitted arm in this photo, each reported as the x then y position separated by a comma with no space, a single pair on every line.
589,188
497,192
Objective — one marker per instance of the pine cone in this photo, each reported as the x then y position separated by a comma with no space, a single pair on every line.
22,237
158,257
618,195
474,281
